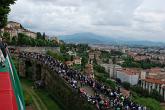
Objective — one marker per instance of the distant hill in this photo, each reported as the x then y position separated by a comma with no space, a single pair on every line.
91,38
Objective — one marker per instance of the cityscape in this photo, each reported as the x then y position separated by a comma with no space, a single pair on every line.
86,62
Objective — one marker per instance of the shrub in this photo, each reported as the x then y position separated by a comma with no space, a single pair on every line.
28,98
149,103
126,85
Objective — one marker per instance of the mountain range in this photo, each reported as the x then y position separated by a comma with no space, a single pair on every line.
91,38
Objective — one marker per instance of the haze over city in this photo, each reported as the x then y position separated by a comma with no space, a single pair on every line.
134,19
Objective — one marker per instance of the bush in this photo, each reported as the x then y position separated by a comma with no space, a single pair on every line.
149,103
108,82
126,85
28,98
55,55
145,93
140,91
154,94
111,83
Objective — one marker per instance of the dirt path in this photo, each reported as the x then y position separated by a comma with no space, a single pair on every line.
36,99
163,105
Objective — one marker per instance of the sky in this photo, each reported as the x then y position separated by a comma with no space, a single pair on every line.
134,19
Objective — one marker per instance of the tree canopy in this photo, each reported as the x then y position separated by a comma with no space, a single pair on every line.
4,10
26,40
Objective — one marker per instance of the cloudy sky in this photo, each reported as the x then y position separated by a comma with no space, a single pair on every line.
137,19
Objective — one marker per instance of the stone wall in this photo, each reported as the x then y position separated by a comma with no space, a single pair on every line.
59,89
36,49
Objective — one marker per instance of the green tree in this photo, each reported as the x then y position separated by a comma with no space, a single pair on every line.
99,69
14,41
114,60
94,60
6,36
126,85
4,10
155,94
44,36
84,61
39,36
56,55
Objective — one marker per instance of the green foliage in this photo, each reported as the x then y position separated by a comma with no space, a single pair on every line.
77,67
106,60
38,98
126,85
116,53
145,64
39,36
44,36
142,97
84,61
105,54
47,99
23,39
4,10
94,60
26,40
154,94
114,60
140,91
149,103
13,41
28,98
111,83
82,47
67,57
55,55
63,48
99,68
6,36
145,93
106,81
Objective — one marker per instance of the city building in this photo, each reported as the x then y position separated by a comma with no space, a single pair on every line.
89,70
55,40
154,79
71,53
91,55
69,63
129,75
29,33
154,84
111,69
77,60
14,28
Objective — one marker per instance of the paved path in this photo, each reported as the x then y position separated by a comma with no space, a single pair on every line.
88,90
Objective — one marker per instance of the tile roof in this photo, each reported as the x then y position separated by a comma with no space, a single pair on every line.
130,71
153,80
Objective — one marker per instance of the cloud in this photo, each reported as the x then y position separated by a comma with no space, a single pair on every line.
142,19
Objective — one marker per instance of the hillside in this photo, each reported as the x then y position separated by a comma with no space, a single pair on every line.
91,38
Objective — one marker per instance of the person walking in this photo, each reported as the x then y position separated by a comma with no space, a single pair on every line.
2,53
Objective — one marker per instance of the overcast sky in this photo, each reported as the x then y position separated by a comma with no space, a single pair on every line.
139,19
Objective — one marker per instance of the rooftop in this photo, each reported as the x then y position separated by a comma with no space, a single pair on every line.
131,71
153,80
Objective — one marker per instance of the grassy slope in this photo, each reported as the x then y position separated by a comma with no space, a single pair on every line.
40,98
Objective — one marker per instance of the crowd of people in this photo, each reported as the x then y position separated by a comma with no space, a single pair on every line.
2,52
104,97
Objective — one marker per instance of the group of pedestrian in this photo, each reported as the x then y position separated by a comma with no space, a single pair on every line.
104,97
2,52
